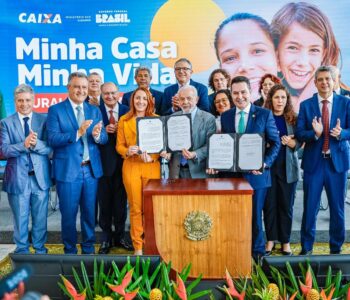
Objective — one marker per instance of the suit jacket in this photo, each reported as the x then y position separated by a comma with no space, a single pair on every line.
12,148
260,120
292,161
344,92
309,109
157,97
203,125
109,157
170,91
62,127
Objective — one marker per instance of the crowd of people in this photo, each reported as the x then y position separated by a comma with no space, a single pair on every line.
97,165
87,144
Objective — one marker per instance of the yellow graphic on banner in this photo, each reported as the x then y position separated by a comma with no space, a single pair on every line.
191,24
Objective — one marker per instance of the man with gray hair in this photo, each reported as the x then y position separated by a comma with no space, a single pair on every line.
183,72
27,174
324,126
143,77
94,89
192,164
339,88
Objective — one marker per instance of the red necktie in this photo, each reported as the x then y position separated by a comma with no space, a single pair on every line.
111,117
325,122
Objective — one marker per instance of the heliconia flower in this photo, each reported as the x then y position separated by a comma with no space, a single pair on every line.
72,291
324,296
305,288
232,289
180,288
348,294
120,289
293,296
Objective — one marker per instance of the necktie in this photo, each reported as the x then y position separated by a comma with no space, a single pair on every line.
325,122
26,133
80,119
111,117
241,125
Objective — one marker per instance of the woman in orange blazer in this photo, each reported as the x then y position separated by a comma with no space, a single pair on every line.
138,166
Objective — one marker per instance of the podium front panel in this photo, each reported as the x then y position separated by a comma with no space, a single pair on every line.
211,230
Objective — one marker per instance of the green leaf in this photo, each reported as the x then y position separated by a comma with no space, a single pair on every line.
199,294
89,293
116,269
185,272
136,273
291,277
77,280
328,277
155,273
135,284
193,284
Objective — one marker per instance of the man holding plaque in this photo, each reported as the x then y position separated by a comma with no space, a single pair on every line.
248,118
192,164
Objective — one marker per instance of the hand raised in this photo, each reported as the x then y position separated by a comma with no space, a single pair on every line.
336,131
317,126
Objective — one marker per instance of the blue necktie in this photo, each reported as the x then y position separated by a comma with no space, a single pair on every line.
80,119
26,133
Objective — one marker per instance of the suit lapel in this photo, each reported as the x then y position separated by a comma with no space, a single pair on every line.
104,113
198,120
315,106
71,115
251,119
335,112
87,112
17,124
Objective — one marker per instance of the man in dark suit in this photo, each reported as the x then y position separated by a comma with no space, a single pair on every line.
324,126
337,83
74,132
143,77
183,71
94,89
192,164
248,118
27,174
111,194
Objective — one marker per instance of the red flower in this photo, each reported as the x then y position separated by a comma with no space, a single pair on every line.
72,291
120,289
324,296
180,288
305,288
232,289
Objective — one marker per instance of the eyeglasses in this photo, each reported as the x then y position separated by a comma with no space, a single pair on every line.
178,69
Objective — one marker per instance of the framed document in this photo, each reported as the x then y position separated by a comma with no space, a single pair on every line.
171,133
221,152
150,134
250,149
178,132
236,152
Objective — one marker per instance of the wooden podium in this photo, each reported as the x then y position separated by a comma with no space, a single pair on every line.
216,211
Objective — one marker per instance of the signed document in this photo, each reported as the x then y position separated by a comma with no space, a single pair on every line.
150,134
179,132
221,152
250,152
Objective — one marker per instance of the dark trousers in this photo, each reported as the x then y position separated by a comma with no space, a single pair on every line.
326,176
278,209
112,201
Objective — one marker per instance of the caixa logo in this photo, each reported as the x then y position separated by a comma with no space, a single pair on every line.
112,18
40,18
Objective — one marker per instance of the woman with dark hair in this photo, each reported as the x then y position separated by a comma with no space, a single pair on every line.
244,46
278,209
266,83
222,102
138,167
304,40
218,80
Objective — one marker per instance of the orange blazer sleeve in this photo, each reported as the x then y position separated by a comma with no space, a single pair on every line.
122,146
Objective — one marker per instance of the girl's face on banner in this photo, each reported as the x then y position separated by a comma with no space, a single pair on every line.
245,50
300,53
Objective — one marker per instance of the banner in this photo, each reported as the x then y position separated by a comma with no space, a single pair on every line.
44,41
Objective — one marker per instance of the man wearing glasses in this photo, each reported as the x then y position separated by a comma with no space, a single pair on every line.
183,72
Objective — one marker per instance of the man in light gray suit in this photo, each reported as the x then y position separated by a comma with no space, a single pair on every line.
192,164
27,174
